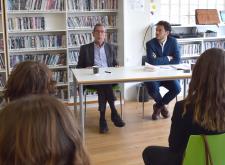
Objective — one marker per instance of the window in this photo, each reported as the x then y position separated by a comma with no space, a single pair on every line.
183,11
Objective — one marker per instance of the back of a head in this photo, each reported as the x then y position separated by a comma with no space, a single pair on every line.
29,77
38,130
207,90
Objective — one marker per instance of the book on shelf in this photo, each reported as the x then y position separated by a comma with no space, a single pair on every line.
214,44
36,5
37,41
60,76
54,59
78,39
26,23
88,5
90,21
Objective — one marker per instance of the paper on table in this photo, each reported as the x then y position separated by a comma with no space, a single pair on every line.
150,67
181,66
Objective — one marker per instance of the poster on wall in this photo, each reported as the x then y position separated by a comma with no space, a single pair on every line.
136,5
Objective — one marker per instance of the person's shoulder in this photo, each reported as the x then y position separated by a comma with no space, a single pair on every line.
87,45
170,38
152,41
180,104
179,107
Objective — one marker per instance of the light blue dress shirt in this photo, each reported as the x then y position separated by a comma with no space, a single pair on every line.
100,56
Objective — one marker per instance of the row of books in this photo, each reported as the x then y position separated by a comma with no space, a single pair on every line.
78,39
56,59
190,49
36,4
2,81
92,4
26,23
60,76
37,41
1,44
62,93
214,44
73,57
2,61
90,21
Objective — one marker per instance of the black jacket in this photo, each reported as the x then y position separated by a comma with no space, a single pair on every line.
86,56
182,127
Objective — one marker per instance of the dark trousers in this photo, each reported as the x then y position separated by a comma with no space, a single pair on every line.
105,94
173,90
157,155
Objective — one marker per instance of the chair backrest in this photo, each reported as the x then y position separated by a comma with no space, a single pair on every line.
196,152
143,60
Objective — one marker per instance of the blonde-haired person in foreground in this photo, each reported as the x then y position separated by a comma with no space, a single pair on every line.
39,130
202,112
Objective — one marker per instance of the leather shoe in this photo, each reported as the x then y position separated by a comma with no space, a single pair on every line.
156,112
164,112
116,119
103,127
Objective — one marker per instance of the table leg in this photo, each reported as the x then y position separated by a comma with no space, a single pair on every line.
81,111
75,96
185,88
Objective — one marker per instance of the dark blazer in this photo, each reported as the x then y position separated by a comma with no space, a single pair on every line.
182,127
86,57
155,56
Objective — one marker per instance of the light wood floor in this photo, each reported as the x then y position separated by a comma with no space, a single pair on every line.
124,146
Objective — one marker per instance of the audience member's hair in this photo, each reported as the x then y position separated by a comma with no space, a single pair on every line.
165,24
29,77
39,130
207,90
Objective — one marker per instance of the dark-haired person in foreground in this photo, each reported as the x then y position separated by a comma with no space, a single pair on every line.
162,50
202,112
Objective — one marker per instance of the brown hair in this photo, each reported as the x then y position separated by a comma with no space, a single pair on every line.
207,90
39,130
97,25
165,24
29,77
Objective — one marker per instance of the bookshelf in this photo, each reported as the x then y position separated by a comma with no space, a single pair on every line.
81,18
198,38
52,32
3,64
36,30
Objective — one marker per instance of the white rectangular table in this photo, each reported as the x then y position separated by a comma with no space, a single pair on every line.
119,75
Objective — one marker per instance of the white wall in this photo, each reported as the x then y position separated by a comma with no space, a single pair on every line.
135,25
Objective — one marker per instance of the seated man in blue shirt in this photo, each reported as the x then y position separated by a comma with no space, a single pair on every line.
102,54
162,50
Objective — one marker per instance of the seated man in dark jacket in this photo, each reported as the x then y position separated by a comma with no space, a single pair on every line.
162,50
102,54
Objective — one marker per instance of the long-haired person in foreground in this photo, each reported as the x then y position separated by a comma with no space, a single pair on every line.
39,130
29,77
202,112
